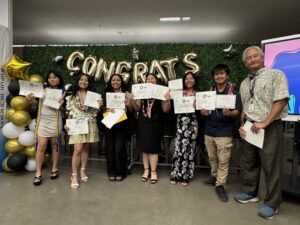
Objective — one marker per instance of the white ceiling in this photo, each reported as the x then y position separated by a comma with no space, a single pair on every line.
137,21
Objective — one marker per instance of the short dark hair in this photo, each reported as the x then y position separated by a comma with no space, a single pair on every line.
220,66
195,78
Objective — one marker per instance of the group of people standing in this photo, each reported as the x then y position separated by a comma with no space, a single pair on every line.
262,101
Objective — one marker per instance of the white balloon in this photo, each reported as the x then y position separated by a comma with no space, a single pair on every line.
27,138
10,130
30,165
32,125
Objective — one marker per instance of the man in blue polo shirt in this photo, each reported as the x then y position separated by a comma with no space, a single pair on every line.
219,131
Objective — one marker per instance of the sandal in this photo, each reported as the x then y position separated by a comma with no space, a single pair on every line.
145,178
85,177
119,178
185,182
74,185
54,175
37,180
173,180
111,179
152,180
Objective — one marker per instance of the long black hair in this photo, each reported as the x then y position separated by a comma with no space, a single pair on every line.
61,83
109,88
195,78
76,87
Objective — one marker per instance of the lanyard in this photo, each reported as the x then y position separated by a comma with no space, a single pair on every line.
251,85
147,111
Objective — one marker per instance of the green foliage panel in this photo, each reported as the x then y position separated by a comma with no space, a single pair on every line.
208,56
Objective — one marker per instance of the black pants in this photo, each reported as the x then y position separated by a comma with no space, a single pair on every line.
116,154
269,159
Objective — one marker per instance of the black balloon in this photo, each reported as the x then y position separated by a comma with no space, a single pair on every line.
14,88
8,98
17,161
33,111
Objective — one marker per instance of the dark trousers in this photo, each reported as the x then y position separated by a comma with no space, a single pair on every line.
116,154
269,159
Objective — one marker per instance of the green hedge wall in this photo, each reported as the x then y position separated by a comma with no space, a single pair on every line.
208,56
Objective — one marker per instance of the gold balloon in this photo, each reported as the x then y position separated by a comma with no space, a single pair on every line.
30,151
19,103
36,78
170,64
187,59
9,113
5,166
13,146
70,62
16,69
127,67
21,118
160,73
89,65
140,70
103,70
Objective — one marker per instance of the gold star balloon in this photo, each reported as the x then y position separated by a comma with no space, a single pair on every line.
16,69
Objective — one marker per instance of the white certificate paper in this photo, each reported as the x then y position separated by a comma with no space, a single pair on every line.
175,84
112,118
142,91
27,87
176,94
206,100
91,99
52,98
225,101
115,100
159,92
77,126
256,139
184,105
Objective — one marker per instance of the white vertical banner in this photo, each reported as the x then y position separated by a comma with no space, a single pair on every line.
5,54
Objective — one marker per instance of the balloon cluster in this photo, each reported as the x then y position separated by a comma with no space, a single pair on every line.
19,130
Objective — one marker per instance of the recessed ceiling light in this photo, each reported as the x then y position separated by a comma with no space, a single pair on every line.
169,19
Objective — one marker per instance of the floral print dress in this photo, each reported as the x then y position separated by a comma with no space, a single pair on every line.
185,142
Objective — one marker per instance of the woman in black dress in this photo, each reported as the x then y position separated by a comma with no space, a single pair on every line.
149,130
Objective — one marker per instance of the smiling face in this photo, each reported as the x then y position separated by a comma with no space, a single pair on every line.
116,82
83,82
151,79
221,77
254,61
53,80
189,81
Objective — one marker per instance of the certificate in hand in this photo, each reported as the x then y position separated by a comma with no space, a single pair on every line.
52,98
77,126
159,92
27,87
176,94
225,101
206,100
184,105
111,119
91,99
142,91
176,84
115,100
256,139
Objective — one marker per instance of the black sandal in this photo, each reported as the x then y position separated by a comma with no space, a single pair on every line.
153,181
37,180
145,179
54,174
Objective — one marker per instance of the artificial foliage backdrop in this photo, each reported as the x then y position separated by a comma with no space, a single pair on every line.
208,55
